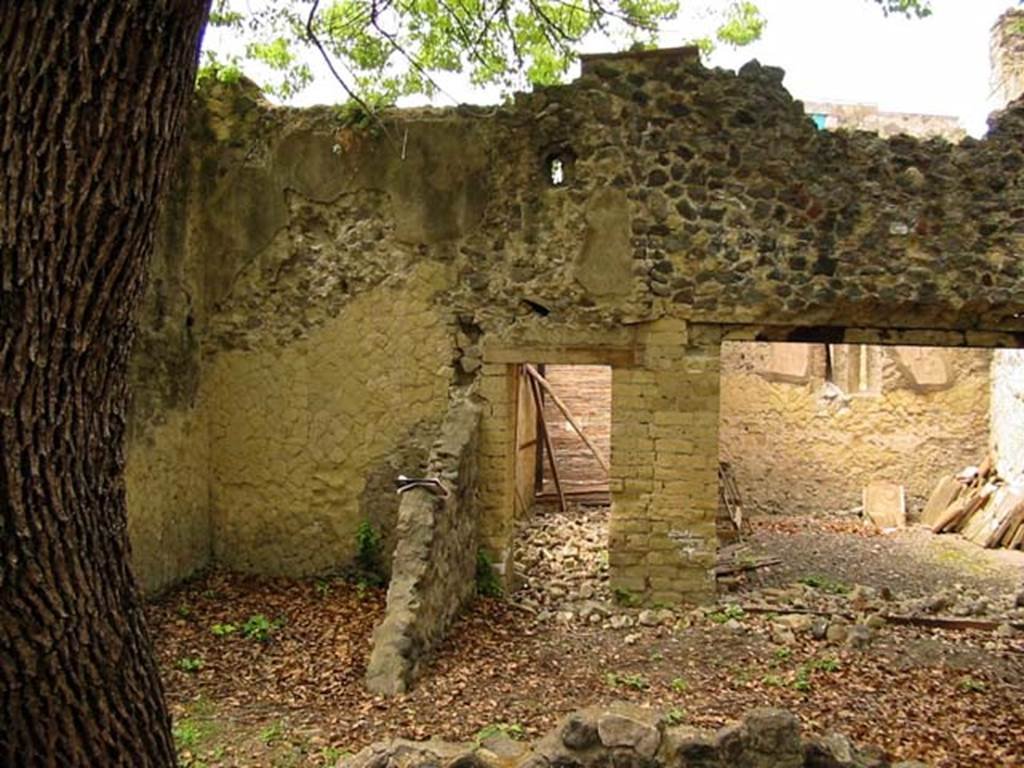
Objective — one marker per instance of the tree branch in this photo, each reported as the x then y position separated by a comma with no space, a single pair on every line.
370,112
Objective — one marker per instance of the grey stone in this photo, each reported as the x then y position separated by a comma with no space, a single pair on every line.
937,603
832,750
875,621
619,729
697,752
775,734
819,626
665,616
836,632
579,733
860,636
648,618
783,635
797,622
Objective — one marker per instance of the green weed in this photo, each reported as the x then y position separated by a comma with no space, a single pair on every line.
487,582
259,627
675,716
190,664
368,551
187,734
329,756
510,730
626,598
636,682
730,611
971,685
272,733
830,664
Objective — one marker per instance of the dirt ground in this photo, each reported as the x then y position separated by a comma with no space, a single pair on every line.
285,689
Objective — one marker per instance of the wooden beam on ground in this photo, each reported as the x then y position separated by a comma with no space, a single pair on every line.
727,569
542,425
931,622
535,375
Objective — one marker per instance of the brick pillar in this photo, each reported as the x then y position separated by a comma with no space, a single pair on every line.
664,469
497,465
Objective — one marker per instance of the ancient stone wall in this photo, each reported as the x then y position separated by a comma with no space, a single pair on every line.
342,278
628,735
801,444
435,558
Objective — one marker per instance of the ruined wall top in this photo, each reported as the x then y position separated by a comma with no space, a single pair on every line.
1006,53
868,117
650,187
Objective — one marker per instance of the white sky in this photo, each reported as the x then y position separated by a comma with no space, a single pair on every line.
835,50
846,50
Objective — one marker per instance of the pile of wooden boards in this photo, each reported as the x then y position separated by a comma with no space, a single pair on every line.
980,505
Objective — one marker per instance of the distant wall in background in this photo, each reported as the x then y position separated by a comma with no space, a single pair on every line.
802,444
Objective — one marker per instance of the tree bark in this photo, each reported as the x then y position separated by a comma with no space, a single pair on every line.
93,96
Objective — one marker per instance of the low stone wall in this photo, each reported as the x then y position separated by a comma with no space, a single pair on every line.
433,569
627,736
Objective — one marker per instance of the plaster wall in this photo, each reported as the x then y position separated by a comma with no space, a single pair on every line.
800,445
298,434
168,500
1007,418
167,445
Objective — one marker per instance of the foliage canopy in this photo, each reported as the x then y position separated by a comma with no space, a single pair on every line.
381,50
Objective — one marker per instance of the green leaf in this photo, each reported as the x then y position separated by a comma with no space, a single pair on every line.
743,24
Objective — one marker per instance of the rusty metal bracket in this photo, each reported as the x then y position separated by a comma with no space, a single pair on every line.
432,484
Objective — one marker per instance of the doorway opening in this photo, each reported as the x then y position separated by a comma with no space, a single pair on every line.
563,441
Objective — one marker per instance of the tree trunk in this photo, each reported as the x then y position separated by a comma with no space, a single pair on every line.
92,103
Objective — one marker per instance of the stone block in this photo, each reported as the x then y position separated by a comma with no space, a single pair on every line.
629,728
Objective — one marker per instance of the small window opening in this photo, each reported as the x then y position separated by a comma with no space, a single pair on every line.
556,172
558,166
854,368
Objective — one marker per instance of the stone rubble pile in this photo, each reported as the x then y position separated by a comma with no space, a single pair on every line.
627,736
853,616
562,568
561,563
